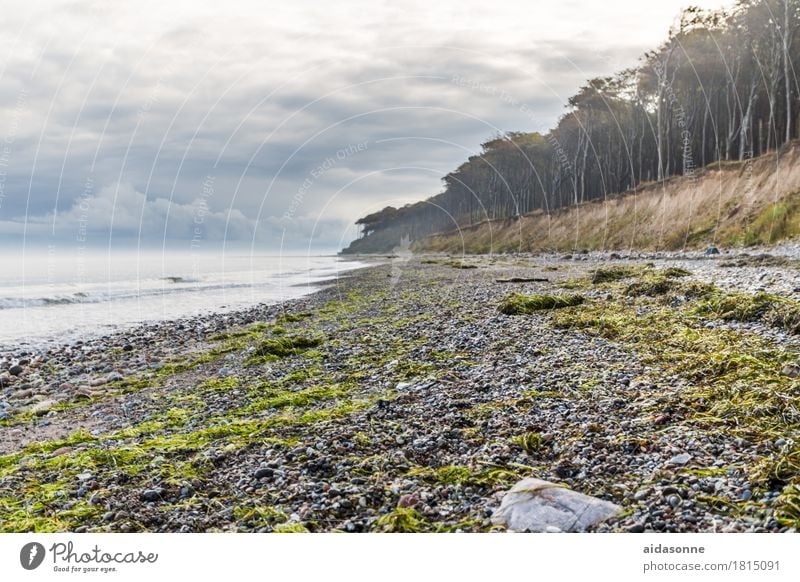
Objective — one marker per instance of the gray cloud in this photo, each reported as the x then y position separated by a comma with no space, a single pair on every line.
147,101
122,212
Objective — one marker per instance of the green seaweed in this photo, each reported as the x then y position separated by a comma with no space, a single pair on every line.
519,304
402,520
530,442
612,274
283,346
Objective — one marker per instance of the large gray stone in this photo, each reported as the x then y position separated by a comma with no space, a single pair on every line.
537,506
43,407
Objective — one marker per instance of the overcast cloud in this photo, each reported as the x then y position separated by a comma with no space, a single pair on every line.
272,123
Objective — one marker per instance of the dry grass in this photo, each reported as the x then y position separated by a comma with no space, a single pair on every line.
729,204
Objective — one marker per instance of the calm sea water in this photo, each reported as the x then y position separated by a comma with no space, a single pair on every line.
48,297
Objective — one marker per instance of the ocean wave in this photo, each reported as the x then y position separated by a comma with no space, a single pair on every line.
118,295
175,279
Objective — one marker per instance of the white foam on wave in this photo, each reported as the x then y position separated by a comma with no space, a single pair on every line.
43,306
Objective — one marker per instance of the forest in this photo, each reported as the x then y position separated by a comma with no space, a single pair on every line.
722,87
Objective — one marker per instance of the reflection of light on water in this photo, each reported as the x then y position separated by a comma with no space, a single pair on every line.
61,302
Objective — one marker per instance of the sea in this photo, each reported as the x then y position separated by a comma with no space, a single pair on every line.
51,298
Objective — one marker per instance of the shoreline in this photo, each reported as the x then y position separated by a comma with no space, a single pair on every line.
399,398
143,348
171,305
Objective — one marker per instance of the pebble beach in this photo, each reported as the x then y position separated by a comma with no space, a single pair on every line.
410,396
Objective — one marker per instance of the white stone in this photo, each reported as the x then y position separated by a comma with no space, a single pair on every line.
680,459
43,407
534,505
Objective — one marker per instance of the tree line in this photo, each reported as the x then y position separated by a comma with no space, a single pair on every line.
723,86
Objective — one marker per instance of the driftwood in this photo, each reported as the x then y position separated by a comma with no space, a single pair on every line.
523,280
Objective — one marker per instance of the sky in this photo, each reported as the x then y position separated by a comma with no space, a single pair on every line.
275,125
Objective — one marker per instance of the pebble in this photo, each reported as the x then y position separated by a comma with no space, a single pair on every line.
152,495
409,500
680,459
43,407
263,472
350,475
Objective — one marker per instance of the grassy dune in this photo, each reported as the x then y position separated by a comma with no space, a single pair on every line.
753,202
